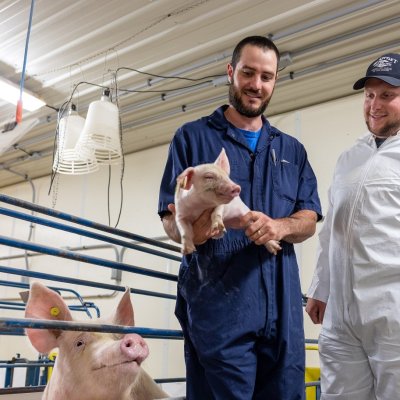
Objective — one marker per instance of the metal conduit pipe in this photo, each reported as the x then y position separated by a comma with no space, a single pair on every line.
83,305
21,307
115,288
38,154
31,226
168,114
276,37
177,110
11,325
82,282
20,390
44,276
190,106
217,99
115,274
46,364
290,76
86,259
346,36
225,54
82,232
8,323
158,238
328,17
68,254
24,365
293,55
75,248
337,61
84,222
123,250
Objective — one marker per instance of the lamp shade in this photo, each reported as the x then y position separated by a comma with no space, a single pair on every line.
66,160
101,132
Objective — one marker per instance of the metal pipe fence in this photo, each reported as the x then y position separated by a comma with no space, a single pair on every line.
37,371
112,236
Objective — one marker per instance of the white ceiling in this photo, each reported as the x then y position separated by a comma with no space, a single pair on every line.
330,44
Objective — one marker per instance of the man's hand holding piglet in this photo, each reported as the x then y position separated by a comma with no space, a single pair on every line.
201,227
260,228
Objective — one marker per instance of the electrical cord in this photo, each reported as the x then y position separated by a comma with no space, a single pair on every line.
164,90
123,156
170,76
65,106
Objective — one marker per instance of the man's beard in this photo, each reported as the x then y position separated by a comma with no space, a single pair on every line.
387,130
236,102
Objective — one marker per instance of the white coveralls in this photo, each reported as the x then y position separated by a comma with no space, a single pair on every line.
358,268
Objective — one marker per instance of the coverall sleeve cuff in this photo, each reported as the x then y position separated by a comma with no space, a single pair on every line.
318,291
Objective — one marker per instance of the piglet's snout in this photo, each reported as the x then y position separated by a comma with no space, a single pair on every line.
134,348
229,191
235,190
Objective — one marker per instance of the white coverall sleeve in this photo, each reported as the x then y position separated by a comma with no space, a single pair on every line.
319,288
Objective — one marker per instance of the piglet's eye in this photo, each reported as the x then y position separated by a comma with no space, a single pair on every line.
79,343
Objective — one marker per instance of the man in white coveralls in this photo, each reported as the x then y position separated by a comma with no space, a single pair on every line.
357,277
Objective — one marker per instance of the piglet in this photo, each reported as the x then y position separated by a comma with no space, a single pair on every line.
204,187
89,365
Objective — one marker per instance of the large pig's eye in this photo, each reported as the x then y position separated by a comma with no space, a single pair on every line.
79,343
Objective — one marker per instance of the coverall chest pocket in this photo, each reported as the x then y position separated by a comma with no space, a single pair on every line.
285,180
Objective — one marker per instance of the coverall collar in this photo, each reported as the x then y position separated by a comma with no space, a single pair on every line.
218,121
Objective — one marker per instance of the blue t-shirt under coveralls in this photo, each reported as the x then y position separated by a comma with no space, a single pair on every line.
239,306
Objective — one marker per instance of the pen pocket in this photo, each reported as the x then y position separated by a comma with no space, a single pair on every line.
285,176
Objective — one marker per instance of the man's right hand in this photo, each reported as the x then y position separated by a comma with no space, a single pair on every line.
201,227
316,310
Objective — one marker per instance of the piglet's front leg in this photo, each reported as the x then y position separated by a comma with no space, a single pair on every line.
273,246
217,225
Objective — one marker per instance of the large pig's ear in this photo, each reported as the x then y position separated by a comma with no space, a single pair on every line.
223,162
124,314
44,303
184,180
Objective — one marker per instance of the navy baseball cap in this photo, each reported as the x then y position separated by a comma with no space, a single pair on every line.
386,68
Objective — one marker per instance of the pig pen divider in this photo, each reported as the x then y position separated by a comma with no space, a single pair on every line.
83,306
114,239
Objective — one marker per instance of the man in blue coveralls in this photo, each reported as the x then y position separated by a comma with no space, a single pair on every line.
239,306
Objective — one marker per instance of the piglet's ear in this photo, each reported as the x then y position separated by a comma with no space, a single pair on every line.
124,314
44,303
184,180
223,162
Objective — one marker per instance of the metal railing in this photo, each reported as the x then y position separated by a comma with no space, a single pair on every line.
113,237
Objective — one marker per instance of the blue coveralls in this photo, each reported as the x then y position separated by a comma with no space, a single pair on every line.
239,306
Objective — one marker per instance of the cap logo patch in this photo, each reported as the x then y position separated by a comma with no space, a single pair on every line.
384,64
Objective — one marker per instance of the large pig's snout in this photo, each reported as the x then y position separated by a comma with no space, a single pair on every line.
134,348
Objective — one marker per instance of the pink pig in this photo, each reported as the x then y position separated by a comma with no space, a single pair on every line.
90,365
204,187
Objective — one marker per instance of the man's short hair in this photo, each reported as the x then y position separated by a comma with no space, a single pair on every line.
258,41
